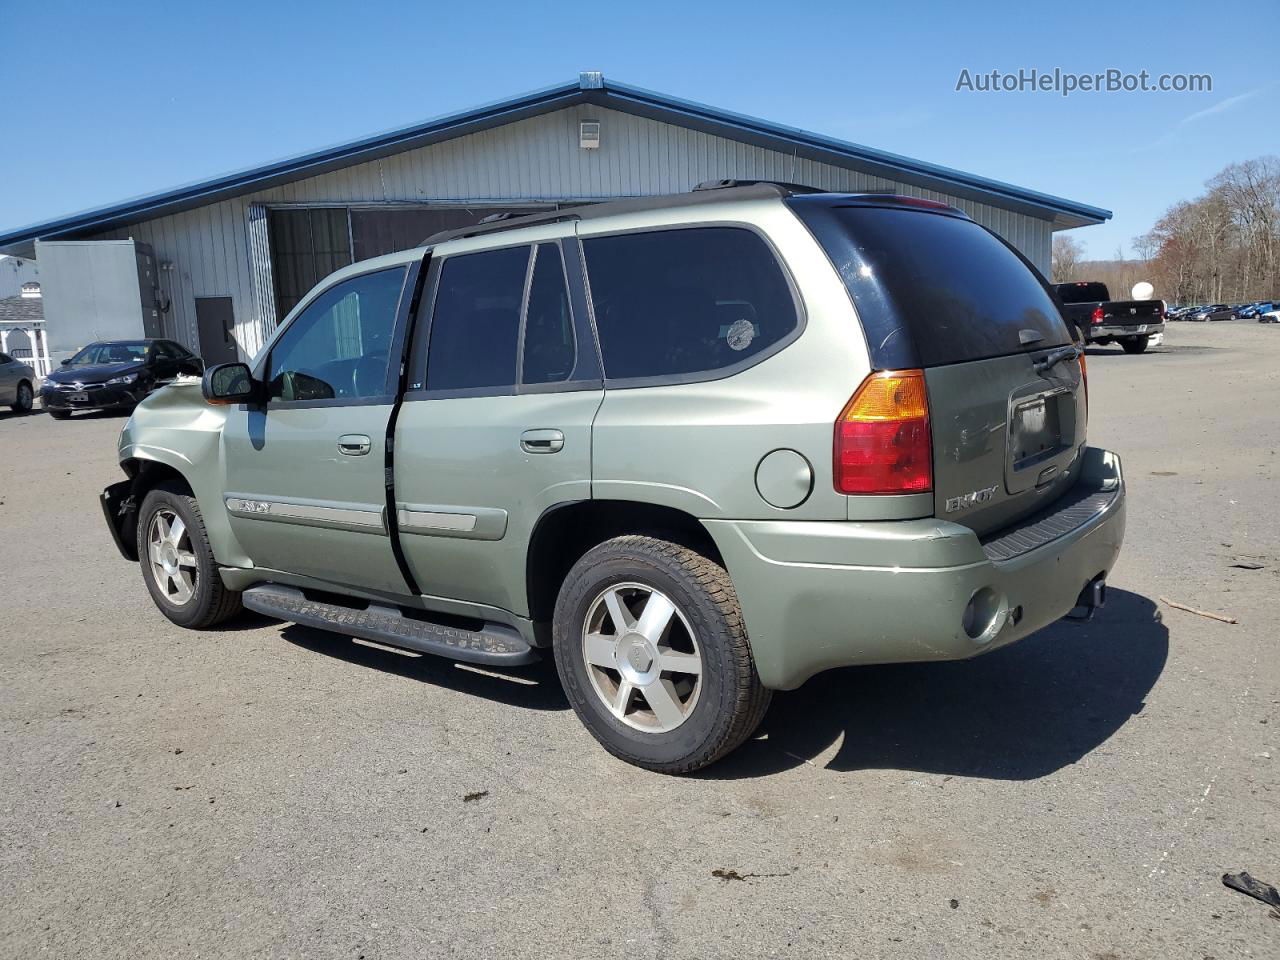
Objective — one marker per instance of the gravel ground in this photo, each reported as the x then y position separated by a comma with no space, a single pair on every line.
271,791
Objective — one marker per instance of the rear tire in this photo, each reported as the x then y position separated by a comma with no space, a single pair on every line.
22,402
177,562
1135,344
673,688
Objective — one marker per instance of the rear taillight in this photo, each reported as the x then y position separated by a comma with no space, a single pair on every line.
1097,315
882,441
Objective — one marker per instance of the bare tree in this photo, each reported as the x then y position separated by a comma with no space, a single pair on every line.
1067,254
1223,245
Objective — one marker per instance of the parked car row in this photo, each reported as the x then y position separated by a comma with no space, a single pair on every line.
1224,311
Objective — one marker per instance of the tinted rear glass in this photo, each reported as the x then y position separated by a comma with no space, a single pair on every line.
686,303
476,324
933,289
1083,292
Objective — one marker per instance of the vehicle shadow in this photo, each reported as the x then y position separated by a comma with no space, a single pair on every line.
532,687
1016,714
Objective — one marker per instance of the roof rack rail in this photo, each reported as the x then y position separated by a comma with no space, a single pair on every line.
784,189
500,221
709,191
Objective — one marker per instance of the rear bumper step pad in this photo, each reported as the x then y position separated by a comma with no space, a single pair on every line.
1073,510
494,644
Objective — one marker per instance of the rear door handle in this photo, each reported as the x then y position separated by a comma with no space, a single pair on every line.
354,444
542,441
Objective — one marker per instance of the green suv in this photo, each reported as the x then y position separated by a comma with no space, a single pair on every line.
699,447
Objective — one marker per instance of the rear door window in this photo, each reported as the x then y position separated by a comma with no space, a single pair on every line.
475,327
933,289
687,304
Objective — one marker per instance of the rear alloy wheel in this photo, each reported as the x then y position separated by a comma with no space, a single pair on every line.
177,561
22,403
642,657
1135,344
651,649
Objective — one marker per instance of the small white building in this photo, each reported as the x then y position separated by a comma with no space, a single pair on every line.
234,254
22,328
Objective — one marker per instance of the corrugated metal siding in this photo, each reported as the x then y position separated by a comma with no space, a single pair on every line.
534,159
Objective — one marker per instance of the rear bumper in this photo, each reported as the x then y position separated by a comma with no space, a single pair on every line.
821,595
1123,330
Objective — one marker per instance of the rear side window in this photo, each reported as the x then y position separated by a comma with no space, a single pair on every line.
1082,292
934,289
683,303
475,328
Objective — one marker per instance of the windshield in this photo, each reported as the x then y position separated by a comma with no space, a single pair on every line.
96,353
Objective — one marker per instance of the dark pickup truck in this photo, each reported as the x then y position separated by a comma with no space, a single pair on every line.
1088,308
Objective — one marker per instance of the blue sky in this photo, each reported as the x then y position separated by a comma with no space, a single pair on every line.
109,101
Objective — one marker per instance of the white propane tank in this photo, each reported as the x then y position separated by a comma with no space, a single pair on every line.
1142,291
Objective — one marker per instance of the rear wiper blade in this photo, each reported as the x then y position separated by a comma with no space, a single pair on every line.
1055,357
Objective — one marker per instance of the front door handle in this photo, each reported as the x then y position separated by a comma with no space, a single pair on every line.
542,441
354,444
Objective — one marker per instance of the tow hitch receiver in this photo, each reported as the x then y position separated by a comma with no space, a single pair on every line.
1092,597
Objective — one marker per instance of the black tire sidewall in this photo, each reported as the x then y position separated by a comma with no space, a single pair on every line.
21,403
1136,344
199,607
712,716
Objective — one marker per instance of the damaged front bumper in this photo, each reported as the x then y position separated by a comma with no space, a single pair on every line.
121,514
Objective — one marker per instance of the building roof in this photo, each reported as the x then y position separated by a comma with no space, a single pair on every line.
21,309
589,88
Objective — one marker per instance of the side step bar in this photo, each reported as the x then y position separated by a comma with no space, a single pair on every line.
494,644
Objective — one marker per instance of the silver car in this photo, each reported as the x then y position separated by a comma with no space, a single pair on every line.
17,383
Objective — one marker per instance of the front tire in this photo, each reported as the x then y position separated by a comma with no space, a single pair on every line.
23,401
177,562
653,655
1135,344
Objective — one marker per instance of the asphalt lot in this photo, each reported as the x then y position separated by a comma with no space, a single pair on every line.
271,791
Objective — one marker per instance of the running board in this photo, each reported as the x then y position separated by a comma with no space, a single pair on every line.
494,644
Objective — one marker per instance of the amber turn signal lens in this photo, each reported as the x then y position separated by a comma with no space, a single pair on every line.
882,439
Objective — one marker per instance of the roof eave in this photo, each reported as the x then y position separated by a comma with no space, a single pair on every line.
1064,214
831,150
187,197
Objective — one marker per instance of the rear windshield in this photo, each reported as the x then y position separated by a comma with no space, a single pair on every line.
933,289
1083,292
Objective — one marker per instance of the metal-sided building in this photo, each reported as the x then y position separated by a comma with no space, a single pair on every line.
234,254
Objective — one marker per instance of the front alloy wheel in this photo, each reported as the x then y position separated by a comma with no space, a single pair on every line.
173,561
642,658
177,561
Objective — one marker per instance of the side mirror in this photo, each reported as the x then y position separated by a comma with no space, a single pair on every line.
229,383
66,362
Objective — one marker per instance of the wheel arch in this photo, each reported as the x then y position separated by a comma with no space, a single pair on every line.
567,531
